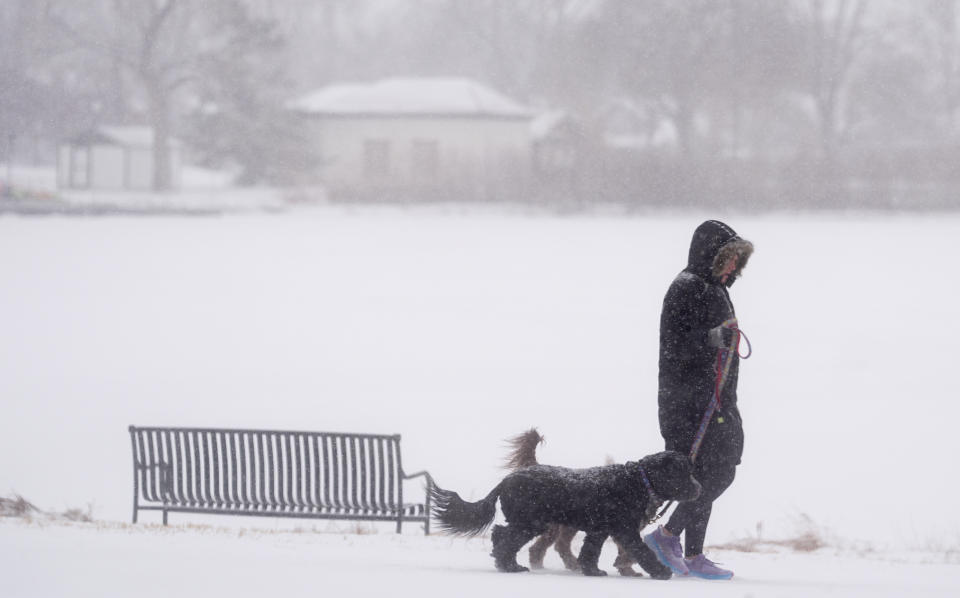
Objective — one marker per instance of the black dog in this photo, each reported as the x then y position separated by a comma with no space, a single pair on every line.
523,453
613,500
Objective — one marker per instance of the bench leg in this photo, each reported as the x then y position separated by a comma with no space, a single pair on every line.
136,493
427,509
164,516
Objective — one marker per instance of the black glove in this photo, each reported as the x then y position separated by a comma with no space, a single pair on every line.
721,337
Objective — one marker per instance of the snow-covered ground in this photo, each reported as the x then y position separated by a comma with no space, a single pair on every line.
458,328
81,560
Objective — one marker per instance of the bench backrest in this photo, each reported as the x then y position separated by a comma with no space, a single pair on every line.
263,469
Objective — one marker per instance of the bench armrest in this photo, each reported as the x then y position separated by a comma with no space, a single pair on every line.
417,475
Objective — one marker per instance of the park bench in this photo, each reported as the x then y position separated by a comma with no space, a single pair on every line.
316,475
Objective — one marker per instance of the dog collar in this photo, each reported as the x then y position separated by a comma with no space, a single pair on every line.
646,482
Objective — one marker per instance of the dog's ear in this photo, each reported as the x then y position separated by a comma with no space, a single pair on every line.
675,465
672,475
685,464
663,460
657,465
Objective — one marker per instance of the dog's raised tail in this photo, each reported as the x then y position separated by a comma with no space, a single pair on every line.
458,517
523,449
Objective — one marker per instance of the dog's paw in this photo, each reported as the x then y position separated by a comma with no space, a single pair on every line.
535,565
594,572
664,573
629,572
571,564
511,568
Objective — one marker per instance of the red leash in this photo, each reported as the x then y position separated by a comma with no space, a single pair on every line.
724,359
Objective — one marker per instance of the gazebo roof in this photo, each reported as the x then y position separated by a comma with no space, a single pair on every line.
126,136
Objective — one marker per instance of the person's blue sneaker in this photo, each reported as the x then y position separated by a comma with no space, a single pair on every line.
668,550
702,567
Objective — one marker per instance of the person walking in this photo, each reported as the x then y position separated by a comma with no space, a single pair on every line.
694,325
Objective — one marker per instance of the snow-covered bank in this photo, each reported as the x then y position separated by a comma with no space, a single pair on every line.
28,190
81,560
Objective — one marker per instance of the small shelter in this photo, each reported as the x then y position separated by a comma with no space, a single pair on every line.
418,136
113,158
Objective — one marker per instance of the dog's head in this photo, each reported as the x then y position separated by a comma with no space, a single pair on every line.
671,475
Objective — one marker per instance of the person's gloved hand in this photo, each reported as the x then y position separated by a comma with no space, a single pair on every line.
721,337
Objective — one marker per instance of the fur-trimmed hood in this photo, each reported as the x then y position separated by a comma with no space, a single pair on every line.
712,244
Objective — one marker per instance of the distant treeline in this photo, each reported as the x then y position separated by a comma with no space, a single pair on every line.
925,180
850,102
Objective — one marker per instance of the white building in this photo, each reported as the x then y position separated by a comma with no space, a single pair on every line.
418,136
112,158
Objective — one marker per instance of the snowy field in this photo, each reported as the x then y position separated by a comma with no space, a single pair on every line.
458,328
83,561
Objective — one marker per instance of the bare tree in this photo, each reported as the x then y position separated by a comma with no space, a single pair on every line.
160,43
941,17
30,104
836,39
328,40
162,68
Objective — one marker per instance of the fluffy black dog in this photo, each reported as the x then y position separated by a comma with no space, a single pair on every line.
613,500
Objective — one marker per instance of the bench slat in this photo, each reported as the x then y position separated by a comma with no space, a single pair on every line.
381,472
298,470
391,478
291,493
339,476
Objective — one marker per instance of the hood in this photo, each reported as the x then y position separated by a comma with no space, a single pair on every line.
708,240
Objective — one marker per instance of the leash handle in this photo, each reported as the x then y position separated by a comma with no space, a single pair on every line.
732,324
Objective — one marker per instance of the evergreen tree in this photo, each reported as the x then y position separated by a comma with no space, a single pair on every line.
240,120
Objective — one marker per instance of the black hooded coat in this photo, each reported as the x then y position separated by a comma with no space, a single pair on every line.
695,303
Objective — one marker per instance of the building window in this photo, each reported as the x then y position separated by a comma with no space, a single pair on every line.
376,158
80,167
425,159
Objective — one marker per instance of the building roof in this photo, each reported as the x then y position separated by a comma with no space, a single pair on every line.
556,125
411,97
126,136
